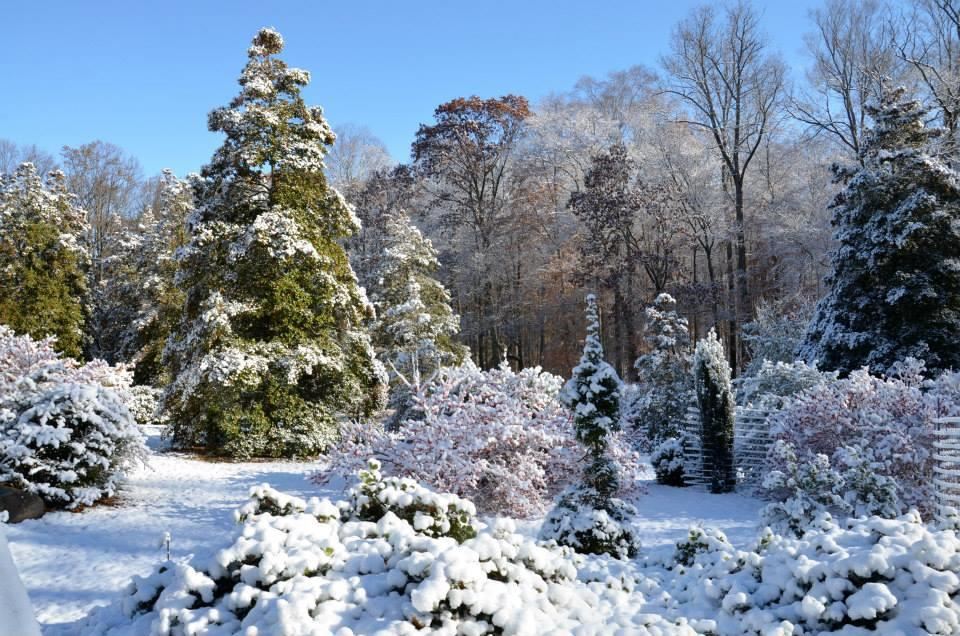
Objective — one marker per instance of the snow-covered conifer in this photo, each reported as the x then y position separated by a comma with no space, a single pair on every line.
895,287
270,351
43,289
711,375
588,517
66,432
415,326
140,302
663,373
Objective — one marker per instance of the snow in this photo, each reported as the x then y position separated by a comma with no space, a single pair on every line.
104,546
16,614
194,500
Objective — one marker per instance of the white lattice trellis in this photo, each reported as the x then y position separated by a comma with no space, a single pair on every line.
751,441
946,478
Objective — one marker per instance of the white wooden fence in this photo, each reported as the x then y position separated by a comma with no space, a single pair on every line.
946,479
751,440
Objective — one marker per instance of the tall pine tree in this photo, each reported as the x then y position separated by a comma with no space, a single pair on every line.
270,350
43,289
895,288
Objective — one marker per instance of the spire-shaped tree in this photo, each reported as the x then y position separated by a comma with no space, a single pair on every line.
588,517
269,352
895,288
711,375
43,290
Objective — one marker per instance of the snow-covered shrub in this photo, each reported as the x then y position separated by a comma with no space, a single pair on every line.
66,432
775,382
667,461
498,437
72,445
319,567
801,490
144,404
875,576
700,541
875,434
588,516
432,514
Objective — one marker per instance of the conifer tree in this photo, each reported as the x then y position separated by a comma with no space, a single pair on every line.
895,287
715,400
588,517
43,289
663,373
142,277
415,325
270,352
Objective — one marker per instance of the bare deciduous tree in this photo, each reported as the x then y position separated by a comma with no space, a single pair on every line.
732,88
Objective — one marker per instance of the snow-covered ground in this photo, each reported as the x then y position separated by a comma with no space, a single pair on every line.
70,562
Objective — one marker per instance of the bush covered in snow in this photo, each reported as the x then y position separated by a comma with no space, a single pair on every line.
315,566
861,445
775,382
145,404
499,437
66,432
875,576
319,567
667,461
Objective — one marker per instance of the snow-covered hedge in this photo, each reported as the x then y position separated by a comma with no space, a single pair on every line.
498,437
864,443
319,567
315,566
65,430
873,576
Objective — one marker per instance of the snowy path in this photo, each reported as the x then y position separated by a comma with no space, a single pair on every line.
70,562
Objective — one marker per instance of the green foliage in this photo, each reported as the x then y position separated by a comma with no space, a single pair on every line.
665,388
895,287
588,518
717,410
269,353
428,512
43,289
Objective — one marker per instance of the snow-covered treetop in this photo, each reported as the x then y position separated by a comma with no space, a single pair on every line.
593,391
709,355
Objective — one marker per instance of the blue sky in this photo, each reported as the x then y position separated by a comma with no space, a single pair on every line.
144,75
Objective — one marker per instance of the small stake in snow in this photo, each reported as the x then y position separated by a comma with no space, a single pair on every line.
165,543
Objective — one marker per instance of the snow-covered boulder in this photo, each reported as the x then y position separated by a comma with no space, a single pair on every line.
20,505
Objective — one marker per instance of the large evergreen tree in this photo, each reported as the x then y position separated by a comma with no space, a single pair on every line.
269,352
895,288
43,290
